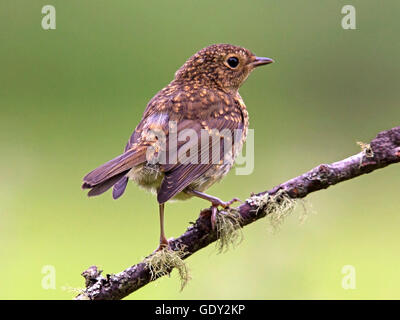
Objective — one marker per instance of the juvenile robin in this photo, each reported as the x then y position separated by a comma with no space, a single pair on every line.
202,98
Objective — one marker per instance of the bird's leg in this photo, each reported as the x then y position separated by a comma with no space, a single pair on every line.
215,203
163,239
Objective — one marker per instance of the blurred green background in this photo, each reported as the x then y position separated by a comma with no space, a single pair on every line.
70,98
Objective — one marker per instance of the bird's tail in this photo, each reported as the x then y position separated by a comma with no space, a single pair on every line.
112,173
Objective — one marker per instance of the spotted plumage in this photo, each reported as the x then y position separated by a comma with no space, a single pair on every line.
203,97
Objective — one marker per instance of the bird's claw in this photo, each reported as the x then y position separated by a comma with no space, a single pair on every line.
224,205
164,244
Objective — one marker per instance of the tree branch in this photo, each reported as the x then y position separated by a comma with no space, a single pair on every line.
381,152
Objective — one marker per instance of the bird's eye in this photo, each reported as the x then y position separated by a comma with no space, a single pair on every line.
233,62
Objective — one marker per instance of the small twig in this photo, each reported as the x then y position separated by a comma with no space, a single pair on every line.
382,151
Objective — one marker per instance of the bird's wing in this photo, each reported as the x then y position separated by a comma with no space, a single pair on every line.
105,176
114,167
120,186
218,120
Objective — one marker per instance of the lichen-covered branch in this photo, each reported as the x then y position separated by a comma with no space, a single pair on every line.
381,152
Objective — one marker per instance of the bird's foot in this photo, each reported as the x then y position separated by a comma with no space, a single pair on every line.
164,244
224,204
213,210
164,259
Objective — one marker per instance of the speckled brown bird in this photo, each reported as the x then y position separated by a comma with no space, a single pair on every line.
202,96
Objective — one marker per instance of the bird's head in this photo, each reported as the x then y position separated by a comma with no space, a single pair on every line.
222,65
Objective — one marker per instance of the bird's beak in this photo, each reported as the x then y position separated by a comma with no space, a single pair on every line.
260,61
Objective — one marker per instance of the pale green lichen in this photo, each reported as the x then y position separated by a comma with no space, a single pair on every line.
229,230
277,207
163,261
74,291
366,149
307,210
